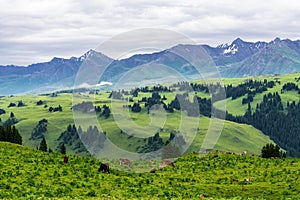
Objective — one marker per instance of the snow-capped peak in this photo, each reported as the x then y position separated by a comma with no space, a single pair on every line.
87,54
231,49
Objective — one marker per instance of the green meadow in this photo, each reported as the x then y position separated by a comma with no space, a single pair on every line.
31,174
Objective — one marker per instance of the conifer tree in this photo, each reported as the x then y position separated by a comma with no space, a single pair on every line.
63,149
43,145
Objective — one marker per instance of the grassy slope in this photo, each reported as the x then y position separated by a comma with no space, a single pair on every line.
31,174
235,137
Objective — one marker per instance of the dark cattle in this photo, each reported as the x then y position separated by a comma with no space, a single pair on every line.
66,159
104,167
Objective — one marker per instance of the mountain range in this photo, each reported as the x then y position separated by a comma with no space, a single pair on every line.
238,59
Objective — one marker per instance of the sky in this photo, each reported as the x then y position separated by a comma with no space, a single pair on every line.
35,31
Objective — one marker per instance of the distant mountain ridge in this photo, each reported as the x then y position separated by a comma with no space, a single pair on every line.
238,59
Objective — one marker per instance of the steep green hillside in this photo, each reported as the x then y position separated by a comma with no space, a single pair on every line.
31,174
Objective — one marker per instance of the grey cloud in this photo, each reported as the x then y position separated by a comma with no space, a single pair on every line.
36,30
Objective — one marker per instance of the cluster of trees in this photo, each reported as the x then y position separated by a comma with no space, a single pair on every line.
2,111
83,107
20,104
55,109
200,87
134,92
272,151
250,87
195,108
11,120
154,89
92,138
71,138
10,134
290,87
89,106
170,149
183,86
180,102
105,111
136,107
155,99
153,143
39,130
40,102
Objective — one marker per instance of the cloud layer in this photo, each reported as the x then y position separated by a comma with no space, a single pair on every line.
37,30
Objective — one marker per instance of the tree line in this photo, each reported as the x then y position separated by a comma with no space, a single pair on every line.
10,134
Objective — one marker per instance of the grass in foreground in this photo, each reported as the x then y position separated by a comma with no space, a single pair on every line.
31,174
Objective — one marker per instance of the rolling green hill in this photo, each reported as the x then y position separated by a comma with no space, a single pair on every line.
234,137
27,173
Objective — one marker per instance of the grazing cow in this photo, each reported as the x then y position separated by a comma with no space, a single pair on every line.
104,167
165,163
66,159
124,161
244,153
152,170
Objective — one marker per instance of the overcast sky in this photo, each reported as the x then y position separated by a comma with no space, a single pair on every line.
36,30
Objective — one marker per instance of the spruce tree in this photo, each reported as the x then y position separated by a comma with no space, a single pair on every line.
63,149
16,137
12,115
43,145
